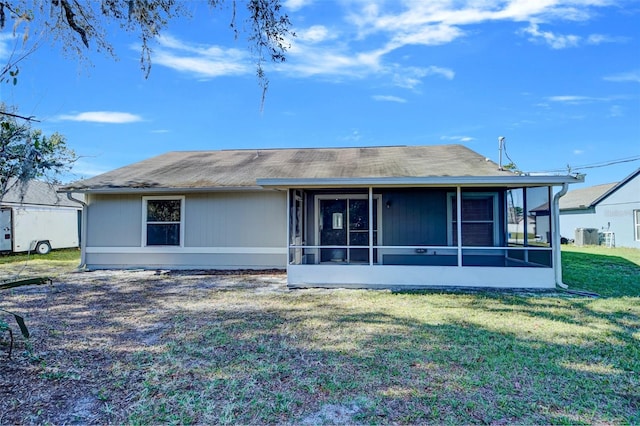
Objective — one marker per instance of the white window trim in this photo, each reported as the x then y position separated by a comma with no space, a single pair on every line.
636,222
450,218
145,200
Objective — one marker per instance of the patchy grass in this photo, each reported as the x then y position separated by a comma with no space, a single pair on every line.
62,255
54,263
606,271
147,348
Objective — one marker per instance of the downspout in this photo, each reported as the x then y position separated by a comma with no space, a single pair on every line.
83,230
555,229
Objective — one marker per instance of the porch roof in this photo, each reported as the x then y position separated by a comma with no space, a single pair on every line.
256,169
487,181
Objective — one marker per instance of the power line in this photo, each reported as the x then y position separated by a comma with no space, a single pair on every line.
595,165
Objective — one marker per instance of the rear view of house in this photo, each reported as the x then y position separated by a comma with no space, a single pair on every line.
611,212
399,216
34,217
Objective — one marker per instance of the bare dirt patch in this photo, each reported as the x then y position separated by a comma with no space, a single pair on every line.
87,324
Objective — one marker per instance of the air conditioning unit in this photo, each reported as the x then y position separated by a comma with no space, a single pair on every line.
586,237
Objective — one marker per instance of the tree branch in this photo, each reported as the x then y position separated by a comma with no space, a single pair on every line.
30,118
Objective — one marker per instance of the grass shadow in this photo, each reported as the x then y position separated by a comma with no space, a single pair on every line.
607,275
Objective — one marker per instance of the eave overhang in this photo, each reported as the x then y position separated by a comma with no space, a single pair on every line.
434,181
161,190
380,182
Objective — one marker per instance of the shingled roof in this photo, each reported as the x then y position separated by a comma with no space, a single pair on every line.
35,192
185,170
585,198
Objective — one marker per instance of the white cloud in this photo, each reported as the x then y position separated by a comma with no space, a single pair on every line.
376,28
560,41
631,76
415,22
354,136
575,100
616,111
112,117
315,34
578,151
372,30
555,41
296,4
444,72
603,38
6,39
202,61
389,98
571,99
457,138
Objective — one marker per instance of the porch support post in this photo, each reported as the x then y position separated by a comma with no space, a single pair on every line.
371,226
526,223
459,222
289,213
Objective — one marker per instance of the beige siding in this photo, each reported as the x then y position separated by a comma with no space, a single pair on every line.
114,220
257,219
221,231
185,261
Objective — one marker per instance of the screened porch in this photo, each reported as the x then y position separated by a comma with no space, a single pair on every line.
407,236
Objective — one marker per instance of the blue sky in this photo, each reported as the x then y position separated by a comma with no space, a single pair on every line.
560,80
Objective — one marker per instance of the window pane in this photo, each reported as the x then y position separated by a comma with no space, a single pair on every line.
359,238
539,215
163,211
163,235
518,222
359,215
477,208
477,234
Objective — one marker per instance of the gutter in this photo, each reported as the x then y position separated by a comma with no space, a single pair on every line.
555,224
83,229
444,181
157,190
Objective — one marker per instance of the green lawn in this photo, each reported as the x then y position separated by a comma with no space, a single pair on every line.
235,355
606,271
397,358
52,264
63,255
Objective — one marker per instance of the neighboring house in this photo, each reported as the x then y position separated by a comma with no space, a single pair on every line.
35,217
374,217
612,208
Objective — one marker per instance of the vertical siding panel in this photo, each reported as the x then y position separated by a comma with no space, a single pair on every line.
415,217
114,220
226,219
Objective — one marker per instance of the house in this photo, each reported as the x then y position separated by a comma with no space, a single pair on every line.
612,209
35,217
374,217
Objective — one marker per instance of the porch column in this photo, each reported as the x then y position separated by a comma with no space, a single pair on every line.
525,208
289,216
459,222
371,226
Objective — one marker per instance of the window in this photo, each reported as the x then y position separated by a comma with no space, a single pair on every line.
479,219
163,221
636,222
